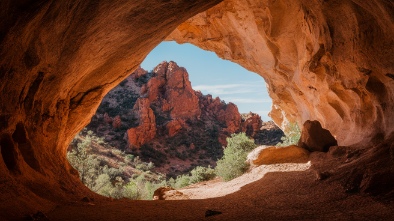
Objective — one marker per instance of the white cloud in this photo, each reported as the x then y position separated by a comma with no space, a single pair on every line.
223,89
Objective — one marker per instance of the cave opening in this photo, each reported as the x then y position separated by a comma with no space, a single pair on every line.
167,124
328,61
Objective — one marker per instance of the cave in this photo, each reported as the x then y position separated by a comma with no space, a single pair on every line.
325,60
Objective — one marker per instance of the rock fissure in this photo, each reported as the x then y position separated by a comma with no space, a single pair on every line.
29,99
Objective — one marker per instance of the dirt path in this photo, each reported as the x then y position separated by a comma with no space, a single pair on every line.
218,188
276,192
277,196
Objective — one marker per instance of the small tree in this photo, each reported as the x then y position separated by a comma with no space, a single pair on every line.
233,164
86,164
182,181
200,174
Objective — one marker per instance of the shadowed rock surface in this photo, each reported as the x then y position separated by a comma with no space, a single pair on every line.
315,138
329,61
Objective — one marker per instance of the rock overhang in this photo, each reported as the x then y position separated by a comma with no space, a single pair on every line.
328,61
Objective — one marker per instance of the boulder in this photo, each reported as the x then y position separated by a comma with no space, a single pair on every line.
168,193
174,126
315,138
265,155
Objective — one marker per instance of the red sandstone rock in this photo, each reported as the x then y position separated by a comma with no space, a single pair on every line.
165,106
223,138
144,89
265,155
171,87
179,93
226,114
174,126
139,72
169,91
153,88
146,130
315,138
232,118
252,124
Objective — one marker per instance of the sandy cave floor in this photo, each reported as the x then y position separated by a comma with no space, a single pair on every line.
275,192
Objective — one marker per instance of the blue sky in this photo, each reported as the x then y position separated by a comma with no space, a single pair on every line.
213,75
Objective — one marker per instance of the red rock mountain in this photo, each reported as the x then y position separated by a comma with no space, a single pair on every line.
163,120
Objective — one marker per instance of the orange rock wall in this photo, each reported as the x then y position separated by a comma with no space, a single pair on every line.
146,130
329,61
57,61
323,60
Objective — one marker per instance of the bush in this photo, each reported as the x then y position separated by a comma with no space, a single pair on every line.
293,134
233,164
200,174
110,181
182,181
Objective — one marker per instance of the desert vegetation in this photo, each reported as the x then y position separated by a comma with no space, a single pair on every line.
233,164
113,173
110,172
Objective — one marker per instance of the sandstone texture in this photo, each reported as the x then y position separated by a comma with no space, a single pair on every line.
266,155
251,124
58,60
329,61
322,60
146,129
315,138
168,90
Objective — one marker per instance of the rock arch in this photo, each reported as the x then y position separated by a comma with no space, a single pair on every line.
324,60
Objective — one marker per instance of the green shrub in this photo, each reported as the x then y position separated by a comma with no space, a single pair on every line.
110,181
182,181
293,134
142,166
233,164
200,174
87,165
142,188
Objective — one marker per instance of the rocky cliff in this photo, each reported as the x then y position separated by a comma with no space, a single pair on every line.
163,120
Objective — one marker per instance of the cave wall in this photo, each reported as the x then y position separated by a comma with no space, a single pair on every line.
322,60
330,61
57,60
